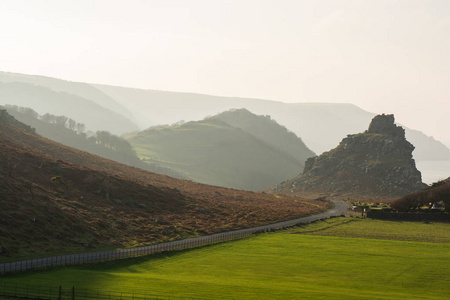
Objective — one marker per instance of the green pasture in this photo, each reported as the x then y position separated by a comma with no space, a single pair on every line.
333,259
378,229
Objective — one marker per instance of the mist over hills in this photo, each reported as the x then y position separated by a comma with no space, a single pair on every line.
81,89
44,100
101,143
246,151
320,125
235,149
267,130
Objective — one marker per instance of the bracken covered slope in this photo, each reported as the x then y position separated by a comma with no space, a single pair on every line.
374,164
55,199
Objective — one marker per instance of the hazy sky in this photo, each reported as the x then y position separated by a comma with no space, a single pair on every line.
388,56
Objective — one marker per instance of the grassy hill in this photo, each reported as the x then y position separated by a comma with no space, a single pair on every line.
269,131
214,152
56,199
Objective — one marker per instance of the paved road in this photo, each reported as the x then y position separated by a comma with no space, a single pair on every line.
339,209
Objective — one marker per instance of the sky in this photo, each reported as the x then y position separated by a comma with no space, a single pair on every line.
385,56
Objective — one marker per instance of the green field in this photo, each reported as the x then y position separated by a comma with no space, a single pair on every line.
323,260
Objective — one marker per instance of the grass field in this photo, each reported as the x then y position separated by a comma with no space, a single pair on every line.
378,229
323,260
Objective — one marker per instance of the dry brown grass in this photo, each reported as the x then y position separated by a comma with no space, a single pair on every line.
56,199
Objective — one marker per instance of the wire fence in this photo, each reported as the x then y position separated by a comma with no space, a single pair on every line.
95,257
26,291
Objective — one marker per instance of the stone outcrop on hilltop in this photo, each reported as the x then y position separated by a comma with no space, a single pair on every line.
377,163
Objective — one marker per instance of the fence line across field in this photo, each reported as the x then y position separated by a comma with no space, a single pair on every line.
27,291
194,242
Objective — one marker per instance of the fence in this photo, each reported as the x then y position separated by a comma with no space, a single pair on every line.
424,216
59,293
83,258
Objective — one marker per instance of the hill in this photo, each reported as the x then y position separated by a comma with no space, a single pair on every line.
214,152
374,164
44,100
56,199
269,131
320,125
71,133
80,89
437,195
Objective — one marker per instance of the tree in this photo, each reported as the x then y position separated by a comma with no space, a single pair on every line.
104,138
48,118
80,128
29,112
61,121
72,124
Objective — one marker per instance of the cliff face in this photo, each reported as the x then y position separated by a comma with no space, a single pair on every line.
377,163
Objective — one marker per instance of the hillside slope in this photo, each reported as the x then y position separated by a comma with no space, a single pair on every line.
269,131
320,125
213,152
374,164
44,100
56,199
80,89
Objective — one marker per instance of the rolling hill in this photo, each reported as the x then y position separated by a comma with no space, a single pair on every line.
56,199
44,100
269,131
320,125
80,89
253,154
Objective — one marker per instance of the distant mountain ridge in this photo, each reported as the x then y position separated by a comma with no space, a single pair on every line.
81,89
320,125
44,100
214,152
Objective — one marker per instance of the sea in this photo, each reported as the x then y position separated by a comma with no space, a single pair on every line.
433,170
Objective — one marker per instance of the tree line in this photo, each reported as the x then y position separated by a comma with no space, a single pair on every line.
439,192
102,138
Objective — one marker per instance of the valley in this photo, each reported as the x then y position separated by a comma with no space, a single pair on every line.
200,150
70,187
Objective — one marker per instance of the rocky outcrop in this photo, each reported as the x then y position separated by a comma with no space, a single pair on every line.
377,163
